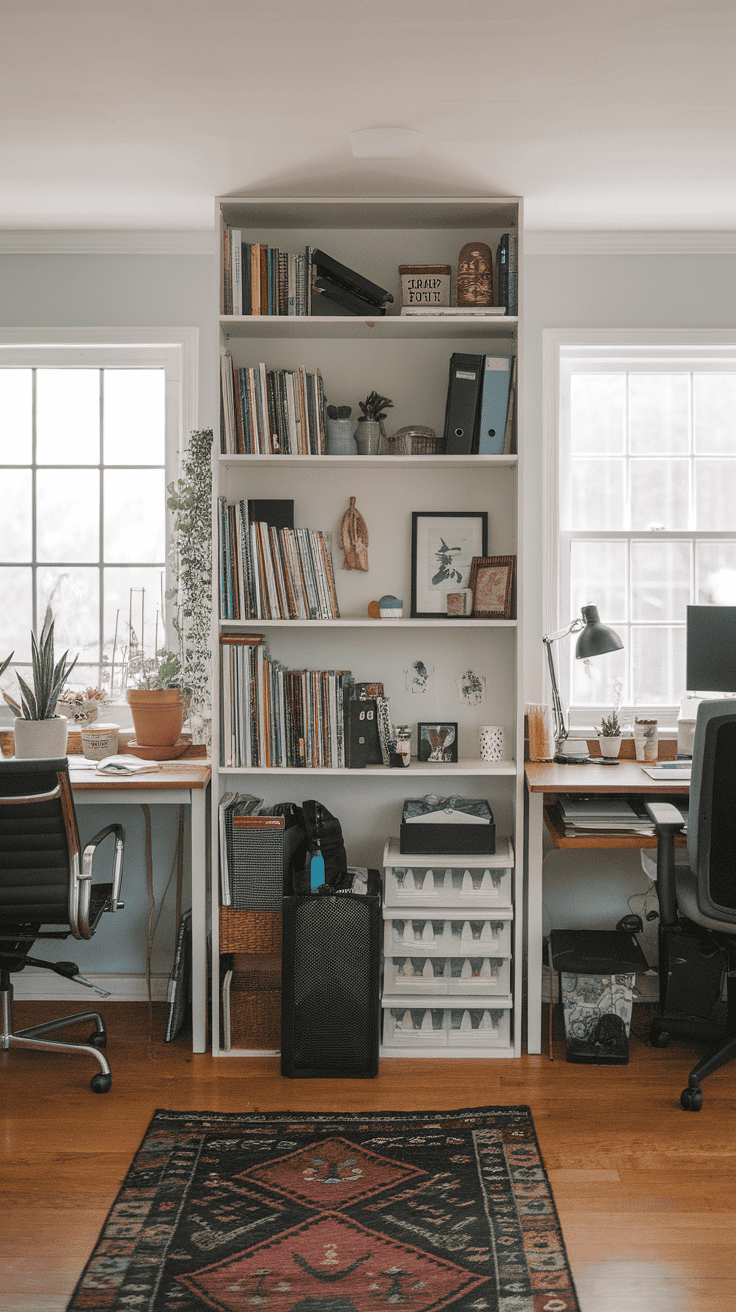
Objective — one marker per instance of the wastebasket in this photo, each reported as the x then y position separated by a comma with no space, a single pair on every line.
597,970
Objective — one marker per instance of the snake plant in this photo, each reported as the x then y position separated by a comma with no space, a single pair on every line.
39,702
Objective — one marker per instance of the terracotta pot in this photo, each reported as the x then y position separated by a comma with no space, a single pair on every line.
158,715
40,739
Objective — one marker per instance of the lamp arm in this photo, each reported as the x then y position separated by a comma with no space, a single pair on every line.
561,730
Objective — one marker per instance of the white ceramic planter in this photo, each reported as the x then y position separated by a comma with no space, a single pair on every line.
609,746
40,739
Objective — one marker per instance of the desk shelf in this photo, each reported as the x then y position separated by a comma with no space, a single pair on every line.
600,838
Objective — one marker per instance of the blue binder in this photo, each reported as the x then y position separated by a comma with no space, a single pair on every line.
494,404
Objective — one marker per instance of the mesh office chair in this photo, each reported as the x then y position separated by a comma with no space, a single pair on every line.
43,881
697,900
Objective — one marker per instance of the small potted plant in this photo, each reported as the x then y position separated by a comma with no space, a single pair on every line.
155,698
370,432
38,731
609,735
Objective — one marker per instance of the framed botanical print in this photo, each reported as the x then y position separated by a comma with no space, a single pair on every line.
443,545
492,584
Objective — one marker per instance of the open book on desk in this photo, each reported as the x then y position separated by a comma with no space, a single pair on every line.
111,765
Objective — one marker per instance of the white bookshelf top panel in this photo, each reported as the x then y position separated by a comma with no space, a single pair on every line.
382,327
371,211
364,622
395,463
444,770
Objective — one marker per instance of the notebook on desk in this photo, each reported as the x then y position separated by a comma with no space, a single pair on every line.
669,770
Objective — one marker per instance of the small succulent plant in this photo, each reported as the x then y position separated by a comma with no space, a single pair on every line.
375,406
609,726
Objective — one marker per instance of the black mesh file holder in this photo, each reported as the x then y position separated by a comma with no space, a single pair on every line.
330,984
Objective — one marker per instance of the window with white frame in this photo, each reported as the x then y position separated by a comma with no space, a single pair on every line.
89,434
643,482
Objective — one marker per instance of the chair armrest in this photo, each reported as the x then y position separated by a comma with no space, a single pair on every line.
664,815
668,822
88,857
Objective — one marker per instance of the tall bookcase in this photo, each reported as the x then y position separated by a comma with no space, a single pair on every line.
407,359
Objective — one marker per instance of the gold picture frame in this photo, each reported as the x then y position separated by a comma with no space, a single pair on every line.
492,580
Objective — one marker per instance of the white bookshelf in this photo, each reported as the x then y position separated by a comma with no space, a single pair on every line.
407,359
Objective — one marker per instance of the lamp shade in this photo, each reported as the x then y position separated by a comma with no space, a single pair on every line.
595,639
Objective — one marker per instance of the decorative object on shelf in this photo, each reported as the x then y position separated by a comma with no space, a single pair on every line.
437,742
472,688
403,742
99,740
416,440
390,607
540,732
490,742
492,583
374,610
609,735
370,435
418,677
38,731
443,545
340,440
354,539
189,501
386,733
474,285
459,604
645,739
425,284
594,639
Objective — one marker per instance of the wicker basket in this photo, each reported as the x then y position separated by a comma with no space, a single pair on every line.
416,442
250,931
255,1009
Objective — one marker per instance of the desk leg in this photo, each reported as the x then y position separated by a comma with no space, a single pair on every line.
535,817
199,918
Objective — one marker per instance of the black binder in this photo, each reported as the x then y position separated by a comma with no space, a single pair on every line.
362,741
463,400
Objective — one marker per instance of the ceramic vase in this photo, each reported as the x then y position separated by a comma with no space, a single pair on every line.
490,737
340,438
40,739
368,437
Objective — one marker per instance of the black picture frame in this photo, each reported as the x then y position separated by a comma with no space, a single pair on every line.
437,741
443,544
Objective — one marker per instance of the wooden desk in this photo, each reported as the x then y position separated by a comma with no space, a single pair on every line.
545,780
183,782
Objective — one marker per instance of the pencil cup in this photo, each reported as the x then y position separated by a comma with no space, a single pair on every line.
490,737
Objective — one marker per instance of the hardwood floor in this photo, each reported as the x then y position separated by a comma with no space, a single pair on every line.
644,1190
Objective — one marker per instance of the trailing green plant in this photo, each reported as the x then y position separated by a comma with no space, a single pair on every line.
609,726
49,677
189,501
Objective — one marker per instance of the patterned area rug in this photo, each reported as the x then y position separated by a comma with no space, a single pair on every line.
322,1212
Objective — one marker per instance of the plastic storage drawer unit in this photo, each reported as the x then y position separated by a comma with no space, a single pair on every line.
413,1023
471,881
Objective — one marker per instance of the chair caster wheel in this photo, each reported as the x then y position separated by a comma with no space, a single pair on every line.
98,1039
101,1083
691,1099
658,1038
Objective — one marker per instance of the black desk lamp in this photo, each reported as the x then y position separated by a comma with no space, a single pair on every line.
595,639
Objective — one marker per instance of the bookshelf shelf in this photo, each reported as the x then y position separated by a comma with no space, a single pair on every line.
408,359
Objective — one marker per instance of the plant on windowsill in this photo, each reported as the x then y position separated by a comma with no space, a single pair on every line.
156,697
38,731
609,735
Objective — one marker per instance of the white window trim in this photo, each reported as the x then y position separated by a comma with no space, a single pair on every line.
554,342
176,350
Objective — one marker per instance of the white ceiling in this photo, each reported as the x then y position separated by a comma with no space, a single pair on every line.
133,114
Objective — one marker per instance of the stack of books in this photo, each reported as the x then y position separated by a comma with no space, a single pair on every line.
270,570
271,411
580,814
271,716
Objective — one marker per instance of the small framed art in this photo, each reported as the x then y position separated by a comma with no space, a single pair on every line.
443,544
437,742
492,583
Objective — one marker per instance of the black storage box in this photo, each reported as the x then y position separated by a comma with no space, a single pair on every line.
330,990
447,839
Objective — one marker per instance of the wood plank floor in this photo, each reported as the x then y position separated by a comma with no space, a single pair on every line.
644,1190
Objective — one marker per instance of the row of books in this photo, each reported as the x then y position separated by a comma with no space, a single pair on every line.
270,570
271,716
257,278
271,411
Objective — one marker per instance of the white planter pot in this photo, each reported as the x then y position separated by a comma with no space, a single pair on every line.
609,746
40,739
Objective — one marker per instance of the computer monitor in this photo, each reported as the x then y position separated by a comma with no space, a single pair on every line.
710,663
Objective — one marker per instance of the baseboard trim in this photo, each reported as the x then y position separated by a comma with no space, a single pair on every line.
43,986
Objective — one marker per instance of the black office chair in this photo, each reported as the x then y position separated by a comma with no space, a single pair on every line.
697,900
43,881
